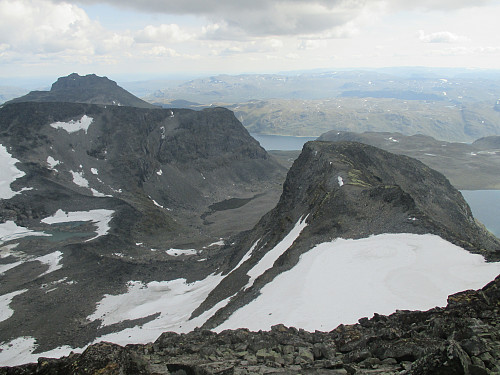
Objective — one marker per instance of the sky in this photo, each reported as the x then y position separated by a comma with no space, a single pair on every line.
165,38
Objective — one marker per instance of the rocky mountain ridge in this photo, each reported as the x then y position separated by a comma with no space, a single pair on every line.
468,166
120,223
114,193
347,190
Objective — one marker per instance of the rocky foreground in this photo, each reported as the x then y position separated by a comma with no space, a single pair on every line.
462,338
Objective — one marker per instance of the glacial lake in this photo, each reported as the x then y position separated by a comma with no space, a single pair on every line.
485,204
281,142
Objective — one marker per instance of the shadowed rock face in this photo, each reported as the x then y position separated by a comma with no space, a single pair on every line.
157,170
459,339
85,89
353,190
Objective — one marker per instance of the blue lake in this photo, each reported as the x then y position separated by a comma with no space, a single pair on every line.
485,206
281,142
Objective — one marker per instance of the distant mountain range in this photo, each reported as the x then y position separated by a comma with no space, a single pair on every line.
454,107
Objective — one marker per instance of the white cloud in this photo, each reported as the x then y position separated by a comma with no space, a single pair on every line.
44,27
312,44
161,34
441,37
161,51
436,5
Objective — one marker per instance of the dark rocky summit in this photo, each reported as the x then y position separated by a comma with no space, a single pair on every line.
90,89
473,166
462,338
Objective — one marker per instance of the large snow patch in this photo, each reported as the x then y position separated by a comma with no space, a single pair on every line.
344,280
74,126
10,231
173,301
8,173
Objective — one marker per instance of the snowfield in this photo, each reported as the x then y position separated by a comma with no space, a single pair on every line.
5,300
179,252
173,300
271,256
20,351
8,172
10,231
344,280
334,283
74,126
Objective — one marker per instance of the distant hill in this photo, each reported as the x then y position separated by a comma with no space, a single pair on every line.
89,89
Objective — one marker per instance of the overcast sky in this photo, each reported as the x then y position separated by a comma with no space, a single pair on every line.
164,37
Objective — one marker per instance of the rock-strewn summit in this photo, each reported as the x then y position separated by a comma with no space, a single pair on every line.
90,89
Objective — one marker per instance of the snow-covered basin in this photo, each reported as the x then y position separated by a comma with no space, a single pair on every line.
344,280
333,283
100,217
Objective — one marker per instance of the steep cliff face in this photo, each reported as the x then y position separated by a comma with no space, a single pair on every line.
180,160
85,89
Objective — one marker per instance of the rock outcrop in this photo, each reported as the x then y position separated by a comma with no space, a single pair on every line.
462,338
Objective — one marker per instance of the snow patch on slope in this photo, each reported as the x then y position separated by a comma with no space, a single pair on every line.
267,261
174,300
52,260
79,180
8,172
5,311
341,281
179,252
74,126
10,231
20,351
53,163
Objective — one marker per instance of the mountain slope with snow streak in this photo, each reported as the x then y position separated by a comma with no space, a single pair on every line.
342,281
385,200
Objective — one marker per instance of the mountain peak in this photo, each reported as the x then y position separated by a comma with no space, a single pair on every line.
76,81
90,89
